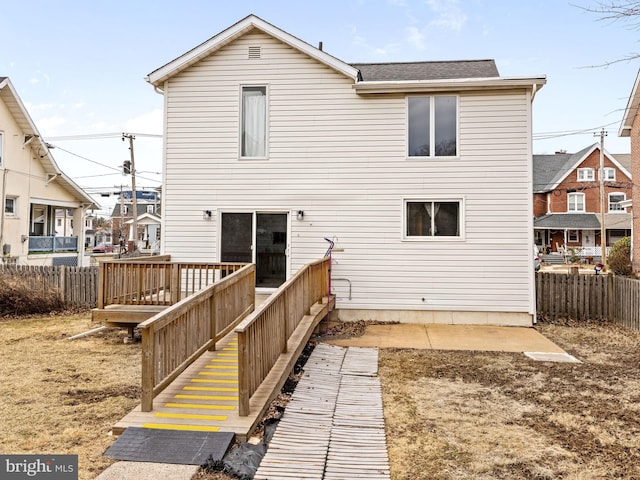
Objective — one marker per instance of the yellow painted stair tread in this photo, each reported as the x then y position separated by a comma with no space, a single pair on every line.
167,426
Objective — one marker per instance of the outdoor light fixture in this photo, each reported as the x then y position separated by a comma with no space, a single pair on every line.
300,215
206,215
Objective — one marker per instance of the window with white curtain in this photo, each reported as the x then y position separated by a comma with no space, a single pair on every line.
424,218
253,141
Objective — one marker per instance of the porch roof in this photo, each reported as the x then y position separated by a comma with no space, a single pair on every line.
582,221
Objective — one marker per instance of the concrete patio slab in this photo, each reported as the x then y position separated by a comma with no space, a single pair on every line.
452,337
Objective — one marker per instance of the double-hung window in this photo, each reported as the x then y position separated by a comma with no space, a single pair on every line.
10,206
609,174
576,202
586,175
253,122
432,126
432,218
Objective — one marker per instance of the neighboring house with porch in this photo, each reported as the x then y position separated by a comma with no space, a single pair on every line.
34,192
630,127
567,196
148,220
419,172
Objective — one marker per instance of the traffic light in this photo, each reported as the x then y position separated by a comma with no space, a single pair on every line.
126,167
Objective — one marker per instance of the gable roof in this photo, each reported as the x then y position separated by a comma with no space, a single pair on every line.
367,77
376,72
158,76
9,96
550,170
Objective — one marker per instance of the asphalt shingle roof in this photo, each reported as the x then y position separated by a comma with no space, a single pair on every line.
549,169
571,221
439,70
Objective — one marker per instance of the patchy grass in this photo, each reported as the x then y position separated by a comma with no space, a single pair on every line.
474,415
61,396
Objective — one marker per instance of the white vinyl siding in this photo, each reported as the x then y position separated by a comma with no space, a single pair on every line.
342,159
1,149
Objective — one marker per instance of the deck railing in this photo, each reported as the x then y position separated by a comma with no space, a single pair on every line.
174,338
263,335
155,280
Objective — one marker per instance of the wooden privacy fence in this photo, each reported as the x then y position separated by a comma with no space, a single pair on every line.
589,297
156,280
173,339
78,286
263,336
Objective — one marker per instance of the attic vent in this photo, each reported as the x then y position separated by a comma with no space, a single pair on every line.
254,53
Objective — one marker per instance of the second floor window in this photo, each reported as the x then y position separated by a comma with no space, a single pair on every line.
610,174
253,141
576,202
432,126
585,175
614,199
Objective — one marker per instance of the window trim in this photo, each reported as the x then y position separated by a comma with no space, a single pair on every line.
582,171
432,130
461,200
267,90
576,195
621,210
613,177
1,149
14,213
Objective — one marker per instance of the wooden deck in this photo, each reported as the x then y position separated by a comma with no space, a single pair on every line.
205,396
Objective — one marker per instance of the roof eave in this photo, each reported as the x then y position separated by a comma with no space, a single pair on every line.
631,109
458,84
159,76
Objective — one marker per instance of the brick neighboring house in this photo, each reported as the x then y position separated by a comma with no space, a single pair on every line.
630,127
566,201
148,222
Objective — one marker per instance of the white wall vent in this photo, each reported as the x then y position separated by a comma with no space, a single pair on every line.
254,53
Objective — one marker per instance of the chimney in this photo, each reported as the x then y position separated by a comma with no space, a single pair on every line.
320,46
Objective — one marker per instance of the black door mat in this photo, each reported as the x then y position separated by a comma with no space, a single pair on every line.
170,446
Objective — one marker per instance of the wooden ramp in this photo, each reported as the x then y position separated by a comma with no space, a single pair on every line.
203,398
333,427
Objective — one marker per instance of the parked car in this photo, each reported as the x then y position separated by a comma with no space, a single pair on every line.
536,258
106,248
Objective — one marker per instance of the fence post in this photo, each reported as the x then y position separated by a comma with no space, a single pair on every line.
148,370
243,375
101,285
175,283
63,282
611,294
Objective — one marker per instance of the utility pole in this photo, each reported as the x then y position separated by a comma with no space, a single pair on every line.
603,202
134,196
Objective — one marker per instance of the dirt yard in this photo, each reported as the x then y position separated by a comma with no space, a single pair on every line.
472,415
450,415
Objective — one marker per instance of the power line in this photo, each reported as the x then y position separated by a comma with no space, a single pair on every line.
96,136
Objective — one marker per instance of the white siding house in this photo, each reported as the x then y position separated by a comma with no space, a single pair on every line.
438,233
33,191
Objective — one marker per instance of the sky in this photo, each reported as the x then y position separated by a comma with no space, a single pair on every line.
79,66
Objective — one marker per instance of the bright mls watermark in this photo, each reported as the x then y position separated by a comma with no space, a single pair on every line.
49,467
